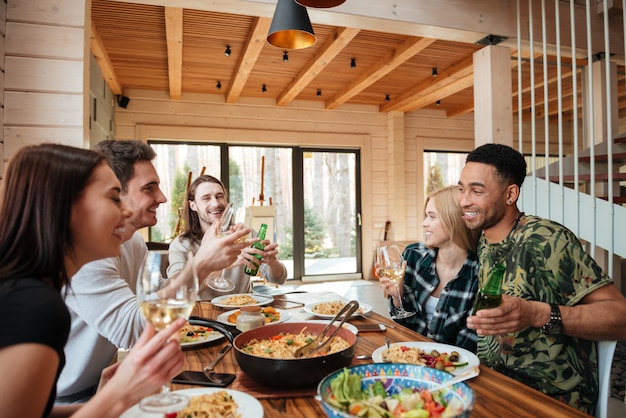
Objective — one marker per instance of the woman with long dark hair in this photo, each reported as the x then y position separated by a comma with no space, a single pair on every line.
59,209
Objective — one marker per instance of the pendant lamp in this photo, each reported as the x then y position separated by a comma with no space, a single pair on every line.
291,27
321,4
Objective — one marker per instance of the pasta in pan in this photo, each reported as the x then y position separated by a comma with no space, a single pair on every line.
215,405
283,346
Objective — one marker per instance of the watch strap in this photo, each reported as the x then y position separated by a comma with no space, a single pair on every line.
554,326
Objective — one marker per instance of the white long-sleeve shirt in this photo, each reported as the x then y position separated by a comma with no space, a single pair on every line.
179,248
105,316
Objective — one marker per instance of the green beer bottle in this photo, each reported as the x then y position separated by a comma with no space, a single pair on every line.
259,246
490,296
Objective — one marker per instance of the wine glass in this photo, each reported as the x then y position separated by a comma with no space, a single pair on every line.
161,303
216,280
392,266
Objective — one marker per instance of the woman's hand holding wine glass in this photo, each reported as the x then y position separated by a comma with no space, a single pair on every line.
161,306
392,267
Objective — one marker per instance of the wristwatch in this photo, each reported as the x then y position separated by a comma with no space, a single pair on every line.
554,326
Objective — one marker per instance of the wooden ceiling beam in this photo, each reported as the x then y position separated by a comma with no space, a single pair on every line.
104,62
452,80
248,59
174,37
316,64
384,66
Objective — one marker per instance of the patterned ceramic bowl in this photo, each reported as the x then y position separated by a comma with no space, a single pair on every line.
395,377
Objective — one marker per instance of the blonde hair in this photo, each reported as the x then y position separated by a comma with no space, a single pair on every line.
451,217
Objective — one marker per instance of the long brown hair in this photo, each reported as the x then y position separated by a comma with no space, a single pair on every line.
41,184
192,227
451,216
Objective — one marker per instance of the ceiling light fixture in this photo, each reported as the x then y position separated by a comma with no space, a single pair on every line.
285,56
227,51
319,92
291,27
218,85
438,102
353,63
320,4
434,71
264,89
386,97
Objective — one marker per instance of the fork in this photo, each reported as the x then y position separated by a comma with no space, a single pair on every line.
208,369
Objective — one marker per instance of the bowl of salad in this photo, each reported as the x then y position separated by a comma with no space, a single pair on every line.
392,390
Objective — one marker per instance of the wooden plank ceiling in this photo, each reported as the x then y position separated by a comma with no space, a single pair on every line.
183,51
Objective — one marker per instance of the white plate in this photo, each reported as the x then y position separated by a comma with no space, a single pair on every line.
223,317
214,336
364,308
345,325
260,300
247,406
464,355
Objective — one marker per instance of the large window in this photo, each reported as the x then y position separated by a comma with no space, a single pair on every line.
313,196
330,212
442,169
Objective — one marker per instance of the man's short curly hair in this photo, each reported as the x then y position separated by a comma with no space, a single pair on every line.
122,156
510,165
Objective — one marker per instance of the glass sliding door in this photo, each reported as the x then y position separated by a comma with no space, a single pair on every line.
331,230
245,184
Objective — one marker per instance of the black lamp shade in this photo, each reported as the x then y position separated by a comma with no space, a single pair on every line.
291,27
320,4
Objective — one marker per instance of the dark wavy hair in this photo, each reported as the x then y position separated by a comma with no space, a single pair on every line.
122,156
510,165
41,184
193,229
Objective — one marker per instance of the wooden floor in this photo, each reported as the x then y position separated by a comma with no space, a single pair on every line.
370,292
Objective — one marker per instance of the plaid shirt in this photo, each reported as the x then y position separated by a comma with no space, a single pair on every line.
455,302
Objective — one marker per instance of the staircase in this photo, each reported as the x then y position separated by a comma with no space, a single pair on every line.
594,220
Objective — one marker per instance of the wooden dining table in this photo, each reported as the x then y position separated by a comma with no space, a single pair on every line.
496,394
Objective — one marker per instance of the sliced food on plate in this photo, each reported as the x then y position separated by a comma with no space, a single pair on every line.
332,308
433,358
217,404
209,402
192,334
271,314
241,299
435,355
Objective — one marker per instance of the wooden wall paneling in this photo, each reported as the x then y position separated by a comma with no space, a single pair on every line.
43,75
3,18
58,110
57,12
19,136
3,21
25,39
2,41
413,214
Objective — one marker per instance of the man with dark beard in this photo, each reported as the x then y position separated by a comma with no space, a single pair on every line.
556,300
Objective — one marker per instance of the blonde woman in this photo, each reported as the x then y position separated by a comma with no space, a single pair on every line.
441,277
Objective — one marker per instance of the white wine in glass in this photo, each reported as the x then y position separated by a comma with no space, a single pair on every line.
392,266
161,304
